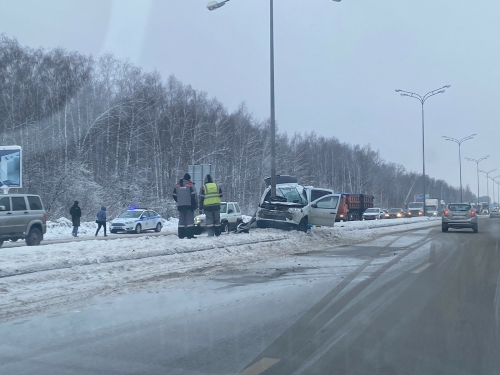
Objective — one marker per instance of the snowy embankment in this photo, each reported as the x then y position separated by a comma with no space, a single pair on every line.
35,278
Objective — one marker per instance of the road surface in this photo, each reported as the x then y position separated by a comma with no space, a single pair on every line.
419,302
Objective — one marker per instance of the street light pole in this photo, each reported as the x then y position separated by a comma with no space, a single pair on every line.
215,5
459,143
493,179
477,161
422,100
487,173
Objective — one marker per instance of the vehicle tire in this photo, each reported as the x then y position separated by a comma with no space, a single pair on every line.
158,228
302,227
444,228
113,231
34,237
1,243
224,227
475,228
138,229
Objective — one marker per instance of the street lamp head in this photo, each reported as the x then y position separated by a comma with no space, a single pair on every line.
215,5
447,86
338,1
398,90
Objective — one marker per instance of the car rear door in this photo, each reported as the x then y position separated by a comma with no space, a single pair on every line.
20,214
5,216
324,210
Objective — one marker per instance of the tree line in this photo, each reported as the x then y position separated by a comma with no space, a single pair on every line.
103,131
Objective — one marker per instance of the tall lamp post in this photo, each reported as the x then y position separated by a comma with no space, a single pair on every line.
215,5
459,143
422,100
487,173
477,161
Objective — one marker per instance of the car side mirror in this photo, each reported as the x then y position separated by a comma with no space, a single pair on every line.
314,205
2,208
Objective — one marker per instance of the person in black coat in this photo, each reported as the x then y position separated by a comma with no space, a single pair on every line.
76,214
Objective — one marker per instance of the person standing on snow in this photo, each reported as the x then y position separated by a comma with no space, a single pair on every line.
101,221
76,214
210,197
185,197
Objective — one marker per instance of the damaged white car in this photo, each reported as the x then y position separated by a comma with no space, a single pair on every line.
296,206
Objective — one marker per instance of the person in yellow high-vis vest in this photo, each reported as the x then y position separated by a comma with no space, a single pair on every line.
210,198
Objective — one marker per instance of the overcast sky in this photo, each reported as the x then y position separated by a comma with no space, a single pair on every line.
337,64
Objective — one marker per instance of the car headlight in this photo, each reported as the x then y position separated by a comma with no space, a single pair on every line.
197,220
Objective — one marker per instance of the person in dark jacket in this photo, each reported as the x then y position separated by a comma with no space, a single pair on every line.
210,198
185,197
76,214
101,221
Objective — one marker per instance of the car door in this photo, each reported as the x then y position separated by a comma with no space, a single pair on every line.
20,214
324,210
145,220
5,216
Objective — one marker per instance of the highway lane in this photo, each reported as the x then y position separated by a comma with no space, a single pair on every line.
419,302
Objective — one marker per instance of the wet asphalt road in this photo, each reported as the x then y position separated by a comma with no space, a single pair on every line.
421,302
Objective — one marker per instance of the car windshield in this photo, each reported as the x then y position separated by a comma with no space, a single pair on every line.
460,207
130,215
394,210
415,205
291,195
372,210
431,208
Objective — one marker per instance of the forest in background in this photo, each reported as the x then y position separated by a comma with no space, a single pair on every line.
104,132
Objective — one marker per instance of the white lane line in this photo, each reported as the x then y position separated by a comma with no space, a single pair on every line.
260,367
422,268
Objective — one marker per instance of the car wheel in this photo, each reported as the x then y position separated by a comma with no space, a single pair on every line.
225,227
302,227
138,229
34,237
444,228
475,228
158,228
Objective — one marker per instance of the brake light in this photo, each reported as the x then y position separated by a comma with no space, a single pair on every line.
446,212
472,213
45,217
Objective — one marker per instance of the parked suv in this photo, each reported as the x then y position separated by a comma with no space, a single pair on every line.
22,216
230,218
459,215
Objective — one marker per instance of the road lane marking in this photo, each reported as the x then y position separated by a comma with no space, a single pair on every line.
422,268
259,367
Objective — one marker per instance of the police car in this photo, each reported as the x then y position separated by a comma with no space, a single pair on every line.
136,220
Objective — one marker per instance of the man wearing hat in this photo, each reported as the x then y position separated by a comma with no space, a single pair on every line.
185,197
76,214
210,197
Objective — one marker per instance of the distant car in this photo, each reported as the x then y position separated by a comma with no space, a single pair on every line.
495,213
458,216
373,214
395,213
136,220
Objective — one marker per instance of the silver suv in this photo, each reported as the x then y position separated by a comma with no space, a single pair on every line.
22,216
459,215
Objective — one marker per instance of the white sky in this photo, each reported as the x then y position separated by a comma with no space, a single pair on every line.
337,64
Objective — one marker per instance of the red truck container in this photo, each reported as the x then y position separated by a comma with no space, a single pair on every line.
352,206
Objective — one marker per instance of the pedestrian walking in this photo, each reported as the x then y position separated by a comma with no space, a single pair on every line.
185,197
101,221
210,197
76,214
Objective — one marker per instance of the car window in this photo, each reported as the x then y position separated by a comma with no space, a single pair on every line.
130,215
152,213
145,214
18,204
5,201
459,207
237,207
35,202
230,208
223,207
372,210
328,202
394,210
316,193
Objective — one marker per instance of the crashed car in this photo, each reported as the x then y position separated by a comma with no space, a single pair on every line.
296,206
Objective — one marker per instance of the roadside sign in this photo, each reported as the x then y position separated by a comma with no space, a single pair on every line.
11,167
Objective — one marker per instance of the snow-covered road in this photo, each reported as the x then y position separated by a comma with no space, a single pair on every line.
33,279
